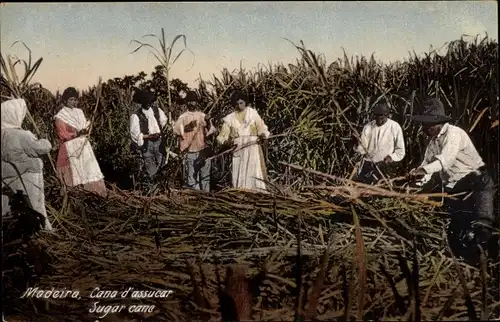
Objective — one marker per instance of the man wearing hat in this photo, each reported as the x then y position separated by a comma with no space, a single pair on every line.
381,144
145,130
193,127
452,154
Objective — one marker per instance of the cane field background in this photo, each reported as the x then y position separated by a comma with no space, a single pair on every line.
371,252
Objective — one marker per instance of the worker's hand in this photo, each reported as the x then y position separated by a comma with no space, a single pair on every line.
210,126
231,145
481,233
208,121
190,127
225,146
417,173
388,159
154,136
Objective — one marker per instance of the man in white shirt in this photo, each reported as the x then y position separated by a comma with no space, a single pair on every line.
381,145
452,154
145,130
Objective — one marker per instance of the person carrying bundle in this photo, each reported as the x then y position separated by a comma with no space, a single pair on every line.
381,145
244,128
452,154
145,131
22,166
193,127
76,163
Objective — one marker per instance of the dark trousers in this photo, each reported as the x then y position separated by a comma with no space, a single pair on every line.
471,215
369,173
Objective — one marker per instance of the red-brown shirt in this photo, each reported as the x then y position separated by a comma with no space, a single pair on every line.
193,141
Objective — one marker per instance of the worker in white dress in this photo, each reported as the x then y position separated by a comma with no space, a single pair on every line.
246,131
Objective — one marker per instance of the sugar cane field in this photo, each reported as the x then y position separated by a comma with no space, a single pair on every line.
317,246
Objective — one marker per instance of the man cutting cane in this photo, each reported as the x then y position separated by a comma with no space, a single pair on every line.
452,154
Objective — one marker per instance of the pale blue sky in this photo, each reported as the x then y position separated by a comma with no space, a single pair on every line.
82,41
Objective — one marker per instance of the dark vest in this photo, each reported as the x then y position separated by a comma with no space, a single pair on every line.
143,125
143,120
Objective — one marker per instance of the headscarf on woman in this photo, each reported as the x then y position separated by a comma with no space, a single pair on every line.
22,166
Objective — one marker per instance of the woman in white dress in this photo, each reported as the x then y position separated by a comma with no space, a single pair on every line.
245,128
76,163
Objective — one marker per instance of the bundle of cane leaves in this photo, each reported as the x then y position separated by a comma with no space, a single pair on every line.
23,256
382,246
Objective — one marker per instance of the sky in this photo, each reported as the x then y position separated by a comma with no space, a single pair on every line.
80,42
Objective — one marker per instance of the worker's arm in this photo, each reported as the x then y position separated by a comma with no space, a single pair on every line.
64,131
135,131
399,145
419,173
262,129
223,136
178,126
87,122
34,147
163,118
363,141
209,127
447,156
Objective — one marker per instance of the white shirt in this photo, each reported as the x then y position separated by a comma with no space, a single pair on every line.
452,154
135,129
377,142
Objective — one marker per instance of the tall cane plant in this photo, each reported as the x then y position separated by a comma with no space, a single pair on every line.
13,86
164,55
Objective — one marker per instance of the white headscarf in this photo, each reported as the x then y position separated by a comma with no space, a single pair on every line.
13,114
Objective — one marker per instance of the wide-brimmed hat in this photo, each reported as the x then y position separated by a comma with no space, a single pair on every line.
143,97
191,96
433,112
